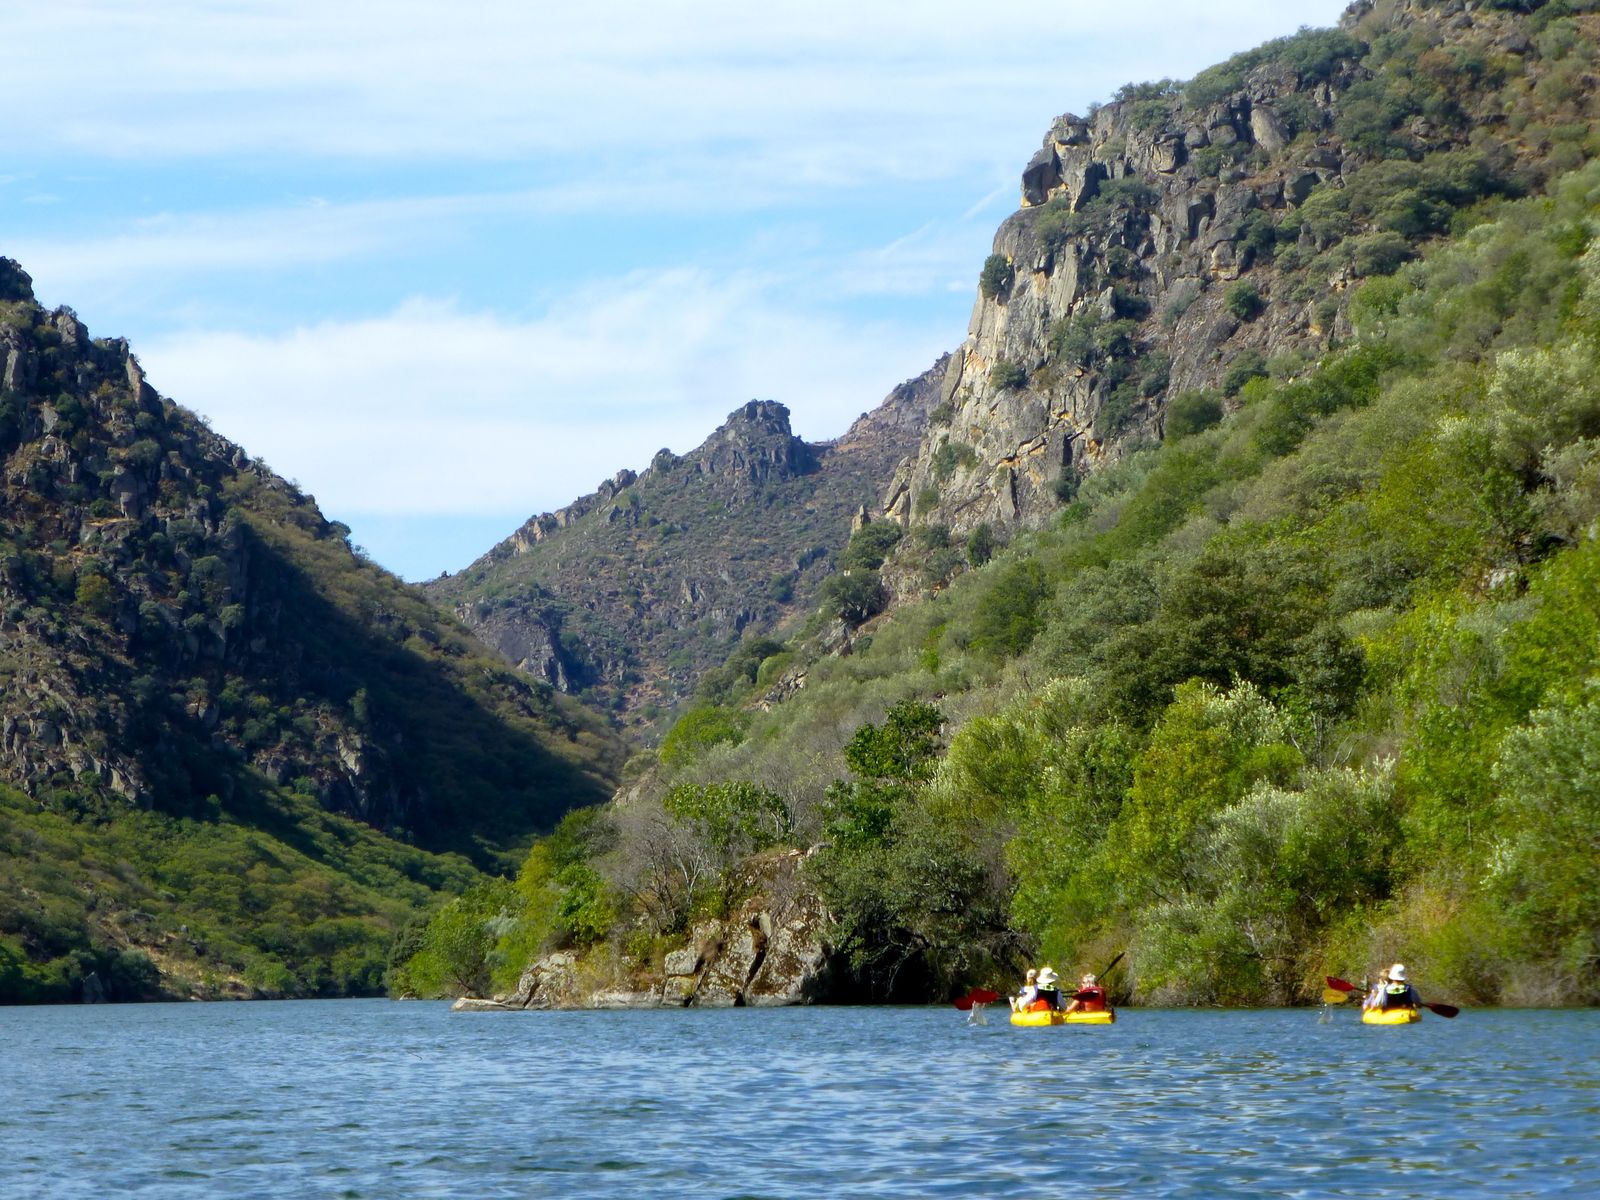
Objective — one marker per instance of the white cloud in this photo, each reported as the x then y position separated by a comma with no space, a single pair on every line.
435,410
840,84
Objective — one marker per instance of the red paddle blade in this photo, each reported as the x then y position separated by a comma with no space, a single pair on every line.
1339,985
984,996
964,1003
1444,1010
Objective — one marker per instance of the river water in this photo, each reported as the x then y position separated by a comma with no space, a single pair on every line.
378,1099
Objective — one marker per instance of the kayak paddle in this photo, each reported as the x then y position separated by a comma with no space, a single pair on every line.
1448,1011
976,996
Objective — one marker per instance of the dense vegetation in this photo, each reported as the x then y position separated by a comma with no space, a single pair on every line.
277,898
1311,684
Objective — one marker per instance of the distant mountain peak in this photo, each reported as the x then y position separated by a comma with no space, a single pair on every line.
630,593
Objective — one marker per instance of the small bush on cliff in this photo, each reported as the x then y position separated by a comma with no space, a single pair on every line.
870,545
1007,374
981,544
1192,413
1251,364
996,275
950,457
1243,299
853,596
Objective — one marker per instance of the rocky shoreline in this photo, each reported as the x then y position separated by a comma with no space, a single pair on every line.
770,951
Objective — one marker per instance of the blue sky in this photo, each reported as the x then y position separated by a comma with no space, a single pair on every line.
450,265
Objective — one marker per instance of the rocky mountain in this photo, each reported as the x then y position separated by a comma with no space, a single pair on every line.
1176,243
630,594
1275,451
184,636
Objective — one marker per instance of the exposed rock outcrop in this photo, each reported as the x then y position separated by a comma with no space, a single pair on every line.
1139,223
771,951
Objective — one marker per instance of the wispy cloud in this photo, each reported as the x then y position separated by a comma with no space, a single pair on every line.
432,409
499,79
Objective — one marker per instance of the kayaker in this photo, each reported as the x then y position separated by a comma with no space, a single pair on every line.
1028,994
1393,990
1090,997
1048,992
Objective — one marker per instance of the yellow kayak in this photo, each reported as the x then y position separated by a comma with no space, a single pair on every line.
1053,1016
1390,1016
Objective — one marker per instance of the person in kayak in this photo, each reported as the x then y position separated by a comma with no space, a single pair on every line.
1028,994
1393,990
1090,997
1048,992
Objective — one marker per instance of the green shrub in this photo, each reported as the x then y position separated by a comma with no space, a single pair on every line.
870,545
950,457
853,596
699,729
1243,299
1009,612
1191,413
1006,374
996,275
1247,365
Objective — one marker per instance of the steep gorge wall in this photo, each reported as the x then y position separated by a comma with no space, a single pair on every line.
1143,216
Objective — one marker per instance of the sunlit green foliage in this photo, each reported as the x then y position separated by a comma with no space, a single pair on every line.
698,730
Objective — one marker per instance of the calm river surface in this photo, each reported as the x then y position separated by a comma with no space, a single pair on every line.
378,1099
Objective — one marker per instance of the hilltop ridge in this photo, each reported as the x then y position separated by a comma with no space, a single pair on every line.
629,595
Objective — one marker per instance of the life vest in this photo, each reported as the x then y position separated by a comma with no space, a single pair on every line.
1051,997
1092,999
1398,995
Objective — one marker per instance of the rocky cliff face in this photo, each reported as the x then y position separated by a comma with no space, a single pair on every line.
178,623
630,594
1166,243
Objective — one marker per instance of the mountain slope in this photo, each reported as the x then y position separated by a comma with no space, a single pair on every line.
182,633
631,594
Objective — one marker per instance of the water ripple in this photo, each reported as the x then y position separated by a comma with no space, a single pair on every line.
372,1099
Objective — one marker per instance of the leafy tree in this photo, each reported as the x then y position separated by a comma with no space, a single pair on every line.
1009,613
700,728
1206,751
1548,777
870,545
459,941
733,819
853,596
